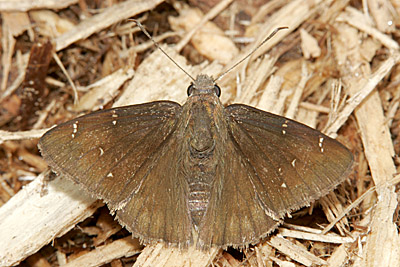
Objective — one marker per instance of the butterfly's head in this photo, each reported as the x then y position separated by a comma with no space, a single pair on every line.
203,84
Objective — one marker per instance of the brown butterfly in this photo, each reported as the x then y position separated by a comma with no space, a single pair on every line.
200,173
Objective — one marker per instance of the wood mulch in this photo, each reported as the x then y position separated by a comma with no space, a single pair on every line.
335,69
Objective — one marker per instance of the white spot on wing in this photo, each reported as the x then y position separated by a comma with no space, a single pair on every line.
284,125
320,144
75,128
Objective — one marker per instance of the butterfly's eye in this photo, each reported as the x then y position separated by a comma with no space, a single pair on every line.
217,90
190,90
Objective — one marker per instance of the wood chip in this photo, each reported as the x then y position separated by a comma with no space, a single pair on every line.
124,247
40,219
295,252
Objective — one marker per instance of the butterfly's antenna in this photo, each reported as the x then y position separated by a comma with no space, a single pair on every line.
140,25
252,51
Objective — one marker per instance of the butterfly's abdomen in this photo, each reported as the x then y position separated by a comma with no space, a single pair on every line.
199,195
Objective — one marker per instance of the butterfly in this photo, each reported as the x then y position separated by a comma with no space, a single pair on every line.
199,173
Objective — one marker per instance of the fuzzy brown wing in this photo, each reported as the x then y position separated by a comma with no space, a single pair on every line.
119,155
271,166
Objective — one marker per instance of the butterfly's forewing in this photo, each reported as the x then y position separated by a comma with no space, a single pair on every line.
293,164
117,155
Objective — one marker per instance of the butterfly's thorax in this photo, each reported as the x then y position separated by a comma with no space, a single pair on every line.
202,144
